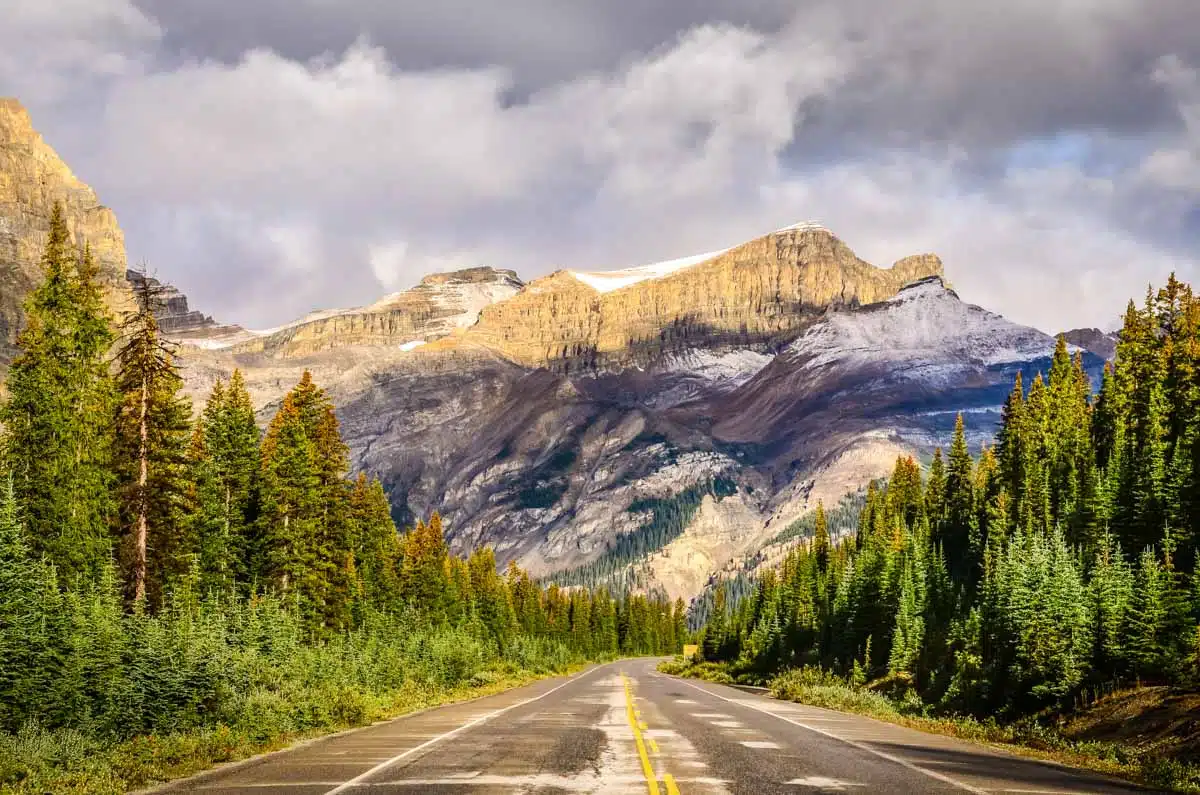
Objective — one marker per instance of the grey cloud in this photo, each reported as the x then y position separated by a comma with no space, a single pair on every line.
943,69
592,136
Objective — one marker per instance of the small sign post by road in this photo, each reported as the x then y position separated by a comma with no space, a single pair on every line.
690,649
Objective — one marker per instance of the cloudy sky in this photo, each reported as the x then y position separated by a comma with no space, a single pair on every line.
275,156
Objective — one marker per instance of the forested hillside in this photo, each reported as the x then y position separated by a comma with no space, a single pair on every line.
212,591
1063,558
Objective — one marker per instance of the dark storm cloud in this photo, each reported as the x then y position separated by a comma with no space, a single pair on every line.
273,157
944,69
542,41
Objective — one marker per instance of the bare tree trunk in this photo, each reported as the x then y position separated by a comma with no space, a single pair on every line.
143,523
286,524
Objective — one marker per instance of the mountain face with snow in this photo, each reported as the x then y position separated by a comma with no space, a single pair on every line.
645,426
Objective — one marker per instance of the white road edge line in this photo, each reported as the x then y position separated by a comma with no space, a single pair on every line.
889,757
362,777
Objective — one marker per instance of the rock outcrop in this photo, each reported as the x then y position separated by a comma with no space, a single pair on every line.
32,179
1093,340
175,317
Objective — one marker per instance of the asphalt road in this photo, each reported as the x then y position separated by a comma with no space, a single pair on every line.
625,728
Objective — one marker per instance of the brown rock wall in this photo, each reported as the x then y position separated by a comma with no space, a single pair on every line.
32,179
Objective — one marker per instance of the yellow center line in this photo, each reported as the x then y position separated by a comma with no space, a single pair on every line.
653,745
647,768
669,780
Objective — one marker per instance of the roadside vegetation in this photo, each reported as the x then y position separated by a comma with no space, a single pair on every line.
997,593
181,590
1133,734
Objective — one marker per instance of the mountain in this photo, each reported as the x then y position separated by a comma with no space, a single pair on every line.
584,469
1097,342
645,426
759,293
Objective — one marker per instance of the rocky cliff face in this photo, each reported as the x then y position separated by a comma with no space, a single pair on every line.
175,317
760,293
32,179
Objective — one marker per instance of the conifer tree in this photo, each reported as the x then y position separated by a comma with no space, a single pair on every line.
225,460
1011,444
935,488
30,650
423,578
378,548
151,423
58,416
959,533
1110,592
820,540
1146,617
288,522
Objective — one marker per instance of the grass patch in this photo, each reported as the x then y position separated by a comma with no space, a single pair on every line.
37,760
890,699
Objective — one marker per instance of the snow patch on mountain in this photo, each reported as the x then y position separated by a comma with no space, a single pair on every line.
804,226
607,281
925,329
732,368
703,372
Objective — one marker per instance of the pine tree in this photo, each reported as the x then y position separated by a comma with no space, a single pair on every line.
909,631
225,460
1145,619
1012,443
378,547
1111,592
290,510
959,533
151,423
935,488
714,644
30,640
57,419
423,578
820,542
492,603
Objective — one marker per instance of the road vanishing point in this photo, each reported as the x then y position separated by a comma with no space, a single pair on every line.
623,727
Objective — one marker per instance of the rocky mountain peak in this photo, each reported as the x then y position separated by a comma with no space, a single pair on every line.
759,293
433,309
32,178
1095,341
15,123
924,288
478,275
926,328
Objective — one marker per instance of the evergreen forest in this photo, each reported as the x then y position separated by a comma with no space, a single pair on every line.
178,588
1060,560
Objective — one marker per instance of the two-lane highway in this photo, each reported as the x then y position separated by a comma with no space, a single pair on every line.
625,728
